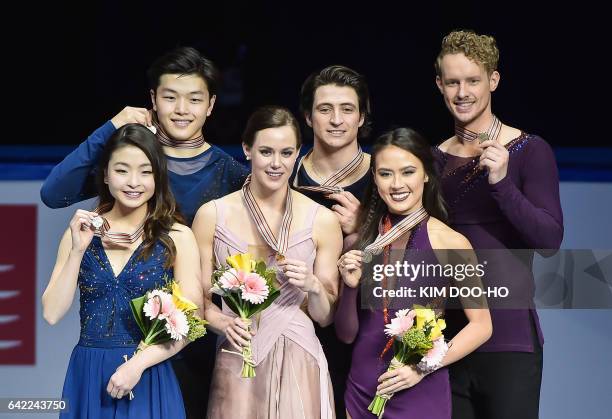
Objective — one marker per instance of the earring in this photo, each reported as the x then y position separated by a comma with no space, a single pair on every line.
248,157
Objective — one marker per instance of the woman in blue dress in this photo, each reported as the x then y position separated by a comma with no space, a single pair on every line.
140,245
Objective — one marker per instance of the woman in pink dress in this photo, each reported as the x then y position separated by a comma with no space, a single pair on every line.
305,242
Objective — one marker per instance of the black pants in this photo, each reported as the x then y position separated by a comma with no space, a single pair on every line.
498,385
338,356
193,367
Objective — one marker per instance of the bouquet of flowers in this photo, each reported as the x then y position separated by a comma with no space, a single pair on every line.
164,314
417,339
248,288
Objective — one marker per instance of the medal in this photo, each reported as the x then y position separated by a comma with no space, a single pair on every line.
281,244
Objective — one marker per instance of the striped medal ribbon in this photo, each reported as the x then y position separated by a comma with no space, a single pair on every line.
281,244
385,239
330,184
470,136
165,139
102,230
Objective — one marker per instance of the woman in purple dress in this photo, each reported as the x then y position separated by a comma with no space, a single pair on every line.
405,189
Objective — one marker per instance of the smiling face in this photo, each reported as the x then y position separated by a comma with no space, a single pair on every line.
273,156
467,89
400,179
335,118
182,103
129,176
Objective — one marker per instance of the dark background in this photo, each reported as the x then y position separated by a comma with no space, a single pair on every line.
74,66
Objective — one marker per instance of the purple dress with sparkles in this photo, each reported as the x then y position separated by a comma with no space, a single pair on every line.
431,398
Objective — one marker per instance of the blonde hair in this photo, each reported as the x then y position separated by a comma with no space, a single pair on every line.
481,49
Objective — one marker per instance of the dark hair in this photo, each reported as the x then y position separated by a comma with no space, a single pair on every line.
270,117
340,76
184,61
375,208
162,212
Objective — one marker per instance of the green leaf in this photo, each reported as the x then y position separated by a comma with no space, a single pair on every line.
260,268
232,304
137,305
256,308
270,278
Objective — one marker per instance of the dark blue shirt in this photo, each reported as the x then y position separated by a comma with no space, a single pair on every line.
357,188
193,181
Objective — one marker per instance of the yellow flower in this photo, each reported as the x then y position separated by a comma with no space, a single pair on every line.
426,315
423,315
181,302
436,332
242,262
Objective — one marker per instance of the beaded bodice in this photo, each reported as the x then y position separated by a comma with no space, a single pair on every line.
105,313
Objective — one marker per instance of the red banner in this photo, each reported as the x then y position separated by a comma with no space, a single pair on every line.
18,284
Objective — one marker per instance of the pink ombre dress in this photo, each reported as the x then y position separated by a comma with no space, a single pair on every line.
292,378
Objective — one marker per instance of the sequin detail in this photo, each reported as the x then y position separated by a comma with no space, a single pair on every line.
105,314
472,174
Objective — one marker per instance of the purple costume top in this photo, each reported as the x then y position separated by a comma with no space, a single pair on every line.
431,398
522,211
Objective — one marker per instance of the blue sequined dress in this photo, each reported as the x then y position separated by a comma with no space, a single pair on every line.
108,332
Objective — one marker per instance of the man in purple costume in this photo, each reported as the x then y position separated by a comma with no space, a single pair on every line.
502,188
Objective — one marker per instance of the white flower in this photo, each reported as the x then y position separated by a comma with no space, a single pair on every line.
433,358
403,320
159,304
177,325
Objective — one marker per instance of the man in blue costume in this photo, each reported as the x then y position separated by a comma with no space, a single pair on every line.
183,92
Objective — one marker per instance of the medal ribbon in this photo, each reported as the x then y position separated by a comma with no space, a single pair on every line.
330,184
386,238
281,244
165,139
117,237
387,235
490,134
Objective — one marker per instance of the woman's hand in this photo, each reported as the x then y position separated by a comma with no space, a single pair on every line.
350,265
124,380
237,333
81,230
398,379
299,275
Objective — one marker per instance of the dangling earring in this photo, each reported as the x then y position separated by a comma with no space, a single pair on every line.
248,157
